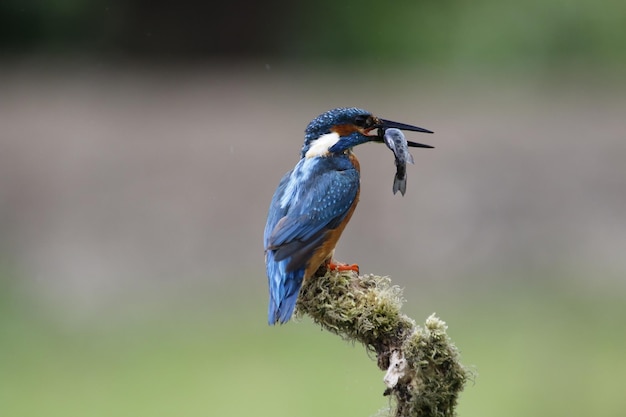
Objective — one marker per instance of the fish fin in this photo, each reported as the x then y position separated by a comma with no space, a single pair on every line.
399,184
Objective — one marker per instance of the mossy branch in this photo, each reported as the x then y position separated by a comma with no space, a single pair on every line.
424,374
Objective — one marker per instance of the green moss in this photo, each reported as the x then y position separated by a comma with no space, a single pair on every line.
366,309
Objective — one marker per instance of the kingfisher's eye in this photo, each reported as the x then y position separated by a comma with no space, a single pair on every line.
363,121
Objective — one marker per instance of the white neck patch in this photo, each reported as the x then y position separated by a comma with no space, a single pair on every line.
321,146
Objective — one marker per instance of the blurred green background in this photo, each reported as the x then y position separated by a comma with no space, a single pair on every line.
140,144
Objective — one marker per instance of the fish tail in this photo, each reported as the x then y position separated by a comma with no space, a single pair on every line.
399,184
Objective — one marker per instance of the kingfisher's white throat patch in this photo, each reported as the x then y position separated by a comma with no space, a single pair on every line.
321,146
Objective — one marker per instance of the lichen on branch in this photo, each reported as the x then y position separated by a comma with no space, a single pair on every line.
423,372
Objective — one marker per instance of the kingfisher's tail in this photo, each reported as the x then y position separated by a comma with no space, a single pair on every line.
282,310
284,289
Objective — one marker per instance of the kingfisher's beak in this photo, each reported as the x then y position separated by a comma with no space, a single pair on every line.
386,124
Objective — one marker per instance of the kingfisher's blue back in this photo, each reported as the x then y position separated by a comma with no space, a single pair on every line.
310,200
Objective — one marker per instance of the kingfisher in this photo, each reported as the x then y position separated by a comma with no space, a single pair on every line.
315,200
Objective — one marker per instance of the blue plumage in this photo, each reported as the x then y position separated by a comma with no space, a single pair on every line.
314,201
310,200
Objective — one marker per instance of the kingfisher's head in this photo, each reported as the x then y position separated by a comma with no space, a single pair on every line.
342,128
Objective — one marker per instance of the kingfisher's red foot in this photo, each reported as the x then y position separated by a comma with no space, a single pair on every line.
336,266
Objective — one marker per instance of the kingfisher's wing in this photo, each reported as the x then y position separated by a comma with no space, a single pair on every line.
319,204
307,203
